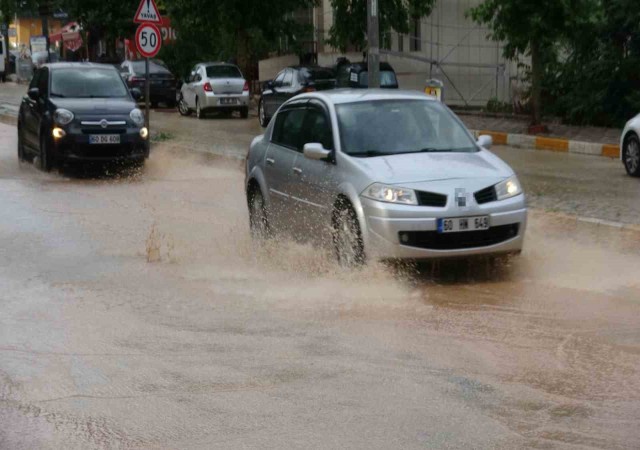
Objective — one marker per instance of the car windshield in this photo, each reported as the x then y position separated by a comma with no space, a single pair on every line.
387,78
87,82
223,72
390,127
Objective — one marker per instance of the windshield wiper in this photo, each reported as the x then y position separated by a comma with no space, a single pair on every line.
53,94
370,153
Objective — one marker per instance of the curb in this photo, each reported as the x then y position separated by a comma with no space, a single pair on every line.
551,144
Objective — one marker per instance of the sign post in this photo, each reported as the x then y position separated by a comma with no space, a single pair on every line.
148,42
373,38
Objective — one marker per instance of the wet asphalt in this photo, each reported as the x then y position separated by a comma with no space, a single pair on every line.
135,312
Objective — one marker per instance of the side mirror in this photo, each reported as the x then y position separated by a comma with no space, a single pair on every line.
485,141
316,151
34,93
136,93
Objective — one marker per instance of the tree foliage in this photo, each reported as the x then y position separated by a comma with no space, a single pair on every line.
350,20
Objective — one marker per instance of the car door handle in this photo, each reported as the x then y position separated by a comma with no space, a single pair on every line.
271,161
297,171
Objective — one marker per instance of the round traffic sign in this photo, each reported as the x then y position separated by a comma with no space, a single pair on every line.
148,40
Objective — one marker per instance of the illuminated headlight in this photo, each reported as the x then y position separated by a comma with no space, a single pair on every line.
144,132
58,133
62,117
137,117
508,188
390,194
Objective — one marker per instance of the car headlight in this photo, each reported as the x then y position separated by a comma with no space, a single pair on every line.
137,117
391,194
62,117
508,188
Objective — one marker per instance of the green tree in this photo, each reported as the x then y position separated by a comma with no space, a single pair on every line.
533,28
350,20
232,27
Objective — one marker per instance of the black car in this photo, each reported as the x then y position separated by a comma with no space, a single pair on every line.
289,83
80,112
163,85
356,75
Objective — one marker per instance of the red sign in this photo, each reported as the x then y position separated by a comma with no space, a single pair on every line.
147,12
148,40
168,33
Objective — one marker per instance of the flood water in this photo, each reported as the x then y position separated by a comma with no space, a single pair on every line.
136,312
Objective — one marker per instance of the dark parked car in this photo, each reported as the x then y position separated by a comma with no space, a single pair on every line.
163,83
289,83
80,112
356,75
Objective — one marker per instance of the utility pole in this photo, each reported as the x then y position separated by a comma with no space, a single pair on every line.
373,55
44,8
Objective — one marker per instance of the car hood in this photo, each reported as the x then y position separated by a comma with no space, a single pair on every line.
420,167
92,106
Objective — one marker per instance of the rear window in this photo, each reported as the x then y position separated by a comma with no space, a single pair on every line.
154,67
223,72
316,74
387,79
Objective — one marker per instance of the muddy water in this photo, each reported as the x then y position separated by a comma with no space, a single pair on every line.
135,312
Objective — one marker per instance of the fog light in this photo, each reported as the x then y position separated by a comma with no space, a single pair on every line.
404,238
58,133
144,132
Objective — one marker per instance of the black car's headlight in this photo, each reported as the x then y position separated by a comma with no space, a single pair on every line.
137,117
62,117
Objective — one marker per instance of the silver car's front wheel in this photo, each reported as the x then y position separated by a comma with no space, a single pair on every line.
258,220
183,108
631,155
347,237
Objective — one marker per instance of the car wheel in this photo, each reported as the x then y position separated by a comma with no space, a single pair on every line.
154,104
258,220
347,237
262,115
183,108
199,111
244,112
45,158
171,103
631,155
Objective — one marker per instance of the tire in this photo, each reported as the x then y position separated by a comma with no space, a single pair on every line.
347,237
258,219
171,104
244,112
45,158
154,104
262,115
631,155
183,108
199,111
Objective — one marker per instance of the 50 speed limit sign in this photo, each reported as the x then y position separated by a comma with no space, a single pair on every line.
148,40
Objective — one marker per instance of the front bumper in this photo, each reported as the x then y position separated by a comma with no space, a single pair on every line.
75,146
218,101
385,224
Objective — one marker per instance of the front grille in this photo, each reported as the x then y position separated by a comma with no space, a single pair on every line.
431,199
486,195
432,240
104,131
101,151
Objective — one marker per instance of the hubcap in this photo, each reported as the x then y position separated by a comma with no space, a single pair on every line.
262,117
183,106
633,156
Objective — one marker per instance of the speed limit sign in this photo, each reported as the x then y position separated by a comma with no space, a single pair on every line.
148,40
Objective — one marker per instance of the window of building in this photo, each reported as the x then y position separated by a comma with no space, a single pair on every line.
416,35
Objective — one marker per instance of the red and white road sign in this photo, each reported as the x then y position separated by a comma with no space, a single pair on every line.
147,12
148,40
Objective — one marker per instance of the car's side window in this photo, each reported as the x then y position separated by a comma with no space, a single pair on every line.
43,82
279,79
288,131
318,128
288,78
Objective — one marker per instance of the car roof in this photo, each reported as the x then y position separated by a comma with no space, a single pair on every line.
365,66
216,63
78,65
341,96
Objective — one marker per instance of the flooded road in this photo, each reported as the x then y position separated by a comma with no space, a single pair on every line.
135,312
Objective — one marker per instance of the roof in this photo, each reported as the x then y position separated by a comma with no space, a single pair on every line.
77,65
341,96
365,66
216,63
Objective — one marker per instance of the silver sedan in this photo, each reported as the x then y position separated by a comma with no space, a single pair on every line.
382,175
214,87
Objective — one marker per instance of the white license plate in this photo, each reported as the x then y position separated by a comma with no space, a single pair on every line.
463,224
227,101
104,139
